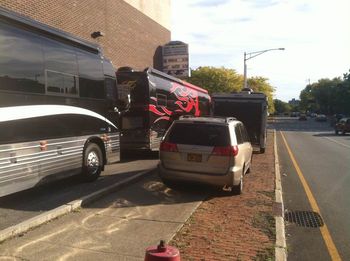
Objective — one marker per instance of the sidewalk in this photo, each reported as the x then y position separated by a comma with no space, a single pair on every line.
214,225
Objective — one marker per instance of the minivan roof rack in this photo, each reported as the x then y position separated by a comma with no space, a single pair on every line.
223,119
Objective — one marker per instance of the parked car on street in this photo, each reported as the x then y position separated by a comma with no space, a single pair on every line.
342,126
321,117
209,150
302,117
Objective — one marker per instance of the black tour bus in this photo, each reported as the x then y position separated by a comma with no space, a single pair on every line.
154,100
57,105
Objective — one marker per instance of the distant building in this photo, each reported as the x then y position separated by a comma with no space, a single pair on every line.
176,59
294,102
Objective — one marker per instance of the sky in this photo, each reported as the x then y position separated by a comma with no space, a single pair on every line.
314,33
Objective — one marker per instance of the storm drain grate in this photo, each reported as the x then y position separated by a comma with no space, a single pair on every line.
304,218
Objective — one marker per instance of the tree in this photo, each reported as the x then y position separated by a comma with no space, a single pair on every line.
228,80
260,84
281,106
327,96
216,79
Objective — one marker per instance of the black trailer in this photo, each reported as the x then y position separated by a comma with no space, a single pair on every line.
248,107
153,100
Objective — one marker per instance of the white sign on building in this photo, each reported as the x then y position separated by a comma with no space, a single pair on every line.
176,59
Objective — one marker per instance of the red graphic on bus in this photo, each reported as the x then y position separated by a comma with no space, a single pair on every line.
186,101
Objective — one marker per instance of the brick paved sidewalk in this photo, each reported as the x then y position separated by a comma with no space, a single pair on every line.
226,227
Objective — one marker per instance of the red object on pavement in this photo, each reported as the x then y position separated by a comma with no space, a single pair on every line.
162,253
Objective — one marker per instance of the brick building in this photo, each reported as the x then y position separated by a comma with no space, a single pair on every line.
133,30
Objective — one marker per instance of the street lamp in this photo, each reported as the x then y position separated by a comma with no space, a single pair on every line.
252,55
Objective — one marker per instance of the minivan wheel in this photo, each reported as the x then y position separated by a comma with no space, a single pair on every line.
237,190
250,166
92,162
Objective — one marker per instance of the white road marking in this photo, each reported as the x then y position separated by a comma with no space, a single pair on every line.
342,144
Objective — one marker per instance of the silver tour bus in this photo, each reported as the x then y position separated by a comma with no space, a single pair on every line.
57,105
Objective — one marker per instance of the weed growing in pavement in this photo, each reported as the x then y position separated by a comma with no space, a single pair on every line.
268,254
258,202
265,222
270,194
218,228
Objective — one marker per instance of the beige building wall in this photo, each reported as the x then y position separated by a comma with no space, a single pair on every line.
157,10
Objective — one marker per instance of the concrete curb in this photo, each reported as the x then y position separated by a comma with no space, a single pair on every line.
280,247
183,223
66,208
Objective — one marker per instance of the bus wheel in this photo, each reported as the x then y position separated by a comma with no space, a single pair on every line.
92,164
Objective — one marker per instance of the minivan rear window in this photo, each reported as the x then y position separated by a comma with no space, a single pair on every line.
199,134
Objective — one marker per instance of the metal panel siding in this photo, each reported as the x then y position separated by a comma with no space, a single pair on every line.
24,165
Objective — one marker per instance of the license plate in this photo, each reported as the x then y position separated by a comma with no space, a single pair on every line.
194,157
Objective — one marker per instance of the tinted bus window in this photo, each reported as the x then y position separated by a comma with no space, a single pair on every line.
61,83
61,68
21,60
60,57
91,84
161,100
111,88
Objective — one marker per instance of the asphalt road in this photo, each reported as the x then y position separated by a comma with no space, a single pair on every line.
324,161
23,205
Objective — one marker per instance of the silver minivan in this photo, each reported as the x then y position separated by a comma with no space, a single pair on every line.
209,150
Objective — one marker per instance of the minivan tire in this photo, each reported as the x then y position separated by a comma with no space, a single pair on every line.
238,189
92,162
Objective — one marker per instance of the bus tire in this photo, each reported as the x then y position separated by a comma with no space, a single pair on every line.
92,162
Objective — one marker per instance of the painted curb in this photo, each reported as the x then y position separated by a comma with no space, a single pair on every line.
67,208
280,247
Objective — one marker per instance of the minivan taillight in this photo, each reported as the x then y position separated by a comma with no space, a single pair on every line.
225,151
168,146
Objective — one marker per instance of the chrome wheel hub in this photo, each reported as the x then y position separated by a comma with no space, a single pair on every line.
93,160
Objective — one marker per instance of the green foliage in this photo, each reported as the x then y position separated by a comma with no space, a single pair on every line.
281,106
327,96
216,79
260,84
221,79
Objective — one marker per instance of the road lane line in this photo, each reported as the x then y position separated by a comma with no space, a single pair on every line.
333,252
339,143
